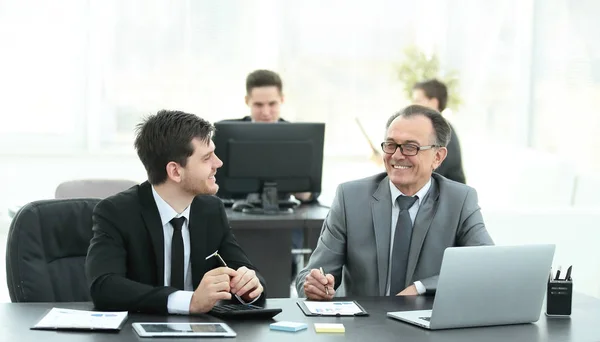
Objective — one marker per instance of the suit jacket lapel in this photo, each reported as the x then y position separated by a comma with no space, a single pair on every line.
154,227
381,209
198,242
422,224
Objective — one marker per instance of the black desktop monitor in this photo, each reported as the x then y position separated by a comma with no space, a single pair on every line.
270,159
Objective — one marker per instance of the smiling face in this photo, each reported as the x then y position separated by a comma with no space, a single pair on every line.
197,177
410,173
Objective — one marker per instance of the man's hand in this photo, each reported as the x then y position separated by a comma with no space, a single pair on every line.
213,287
246,284
303,196
409,291
315,283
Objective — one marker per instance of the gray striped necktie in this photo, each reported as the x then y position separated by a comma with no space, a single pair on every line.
401,245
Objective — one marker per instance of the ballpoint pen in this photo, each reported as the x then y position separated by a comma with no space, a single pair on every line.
558,273
323,273
568,276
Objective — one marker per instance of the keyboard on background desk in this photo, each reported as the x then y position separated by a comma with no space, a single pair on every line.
242,311
227,202
284,204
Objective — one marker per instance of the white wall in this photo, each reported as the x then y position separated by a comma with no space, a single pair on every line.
25,179
576,233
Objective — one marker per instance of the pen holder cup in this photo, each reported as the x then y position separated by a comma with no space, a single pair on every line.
559,298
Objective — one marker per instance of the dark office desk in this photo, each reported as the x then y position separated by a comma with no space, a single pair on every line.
267,240
307,215
17,318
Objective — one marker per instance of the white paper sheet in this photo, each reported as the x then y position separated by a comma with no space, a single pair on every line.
333,308
79,319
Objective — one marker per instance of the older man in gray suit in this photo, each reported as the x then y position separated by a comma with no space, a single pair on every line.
388,232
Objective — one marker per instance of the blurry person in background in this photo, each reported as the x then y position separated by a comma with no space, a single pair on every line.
264,97
434,94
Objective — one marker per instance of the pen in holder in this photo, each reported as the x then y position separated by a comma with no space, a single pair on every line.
559,296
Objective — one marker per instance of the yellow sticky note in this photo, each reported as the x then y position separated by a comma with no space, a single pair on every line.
329,328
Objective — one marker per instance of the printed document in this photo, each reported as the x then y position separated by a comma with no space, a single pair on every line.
79,319
333,308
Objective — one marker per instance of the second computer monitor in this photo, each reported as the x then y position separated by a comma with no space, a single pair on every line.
269,158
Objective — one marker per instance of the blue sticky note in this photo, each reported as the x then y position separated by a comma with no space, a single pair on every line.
288,326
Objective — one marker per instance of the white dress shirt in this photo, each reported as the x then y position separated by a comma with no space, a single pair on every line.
178,301
412,211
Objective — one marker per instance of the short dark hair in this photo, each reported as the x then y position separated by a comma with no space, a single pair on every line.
440,125
263,78
166,137
434,89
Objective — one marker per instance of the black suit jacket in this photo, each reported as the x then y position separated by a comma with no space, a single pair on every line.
125,260
451,167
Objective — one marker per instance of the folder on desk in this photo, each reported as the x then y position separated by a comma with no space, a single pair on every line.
68,319
318,308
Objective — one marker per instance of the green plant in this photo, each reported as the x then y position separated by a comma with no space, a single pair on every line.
417,67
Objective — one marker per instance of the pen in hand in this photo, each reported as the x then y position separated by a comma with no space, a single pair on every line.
323,273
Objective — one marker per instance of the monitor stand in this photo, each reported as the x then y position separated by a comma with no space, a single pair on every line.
270,202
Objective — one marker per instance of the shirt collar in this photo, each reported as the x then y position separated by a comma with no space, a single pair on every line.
166,212
420,194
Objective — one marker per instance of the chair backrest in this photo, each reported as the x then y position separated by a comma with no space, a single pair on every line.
46,249
92,188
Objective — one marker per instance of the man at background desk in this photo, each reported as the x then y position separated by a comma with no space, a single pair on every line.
150,242
388,232
264,97
434,94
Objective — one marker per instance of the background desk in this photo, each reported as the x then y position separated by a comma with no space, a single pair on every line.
267,240
17,318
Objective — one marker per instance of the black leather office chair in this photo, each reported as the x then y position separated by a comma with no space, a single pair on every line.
46,249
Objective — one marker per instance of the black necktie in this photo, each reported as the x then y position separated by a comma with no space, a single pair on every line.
177,261
401,246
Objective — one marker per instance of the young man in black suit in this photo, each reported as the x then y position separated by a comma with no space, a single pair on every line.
150,243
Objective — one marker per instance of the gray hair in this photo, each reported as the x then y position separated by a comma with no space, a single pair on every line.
440,125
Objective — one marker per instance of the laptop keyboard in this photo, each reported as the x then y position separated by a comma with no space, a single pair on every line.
425,318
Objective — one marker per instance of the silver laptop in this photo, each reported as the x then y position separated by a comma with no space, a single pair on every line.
487,285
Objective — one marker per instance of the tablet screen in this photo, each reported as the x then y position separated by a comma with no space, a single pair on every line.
183,329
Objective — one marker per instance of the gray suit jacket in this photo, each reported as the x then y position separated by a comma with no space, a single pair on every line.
356,234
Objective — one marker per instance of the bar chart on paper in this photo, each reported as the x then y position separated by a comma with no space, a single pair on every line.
348,308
